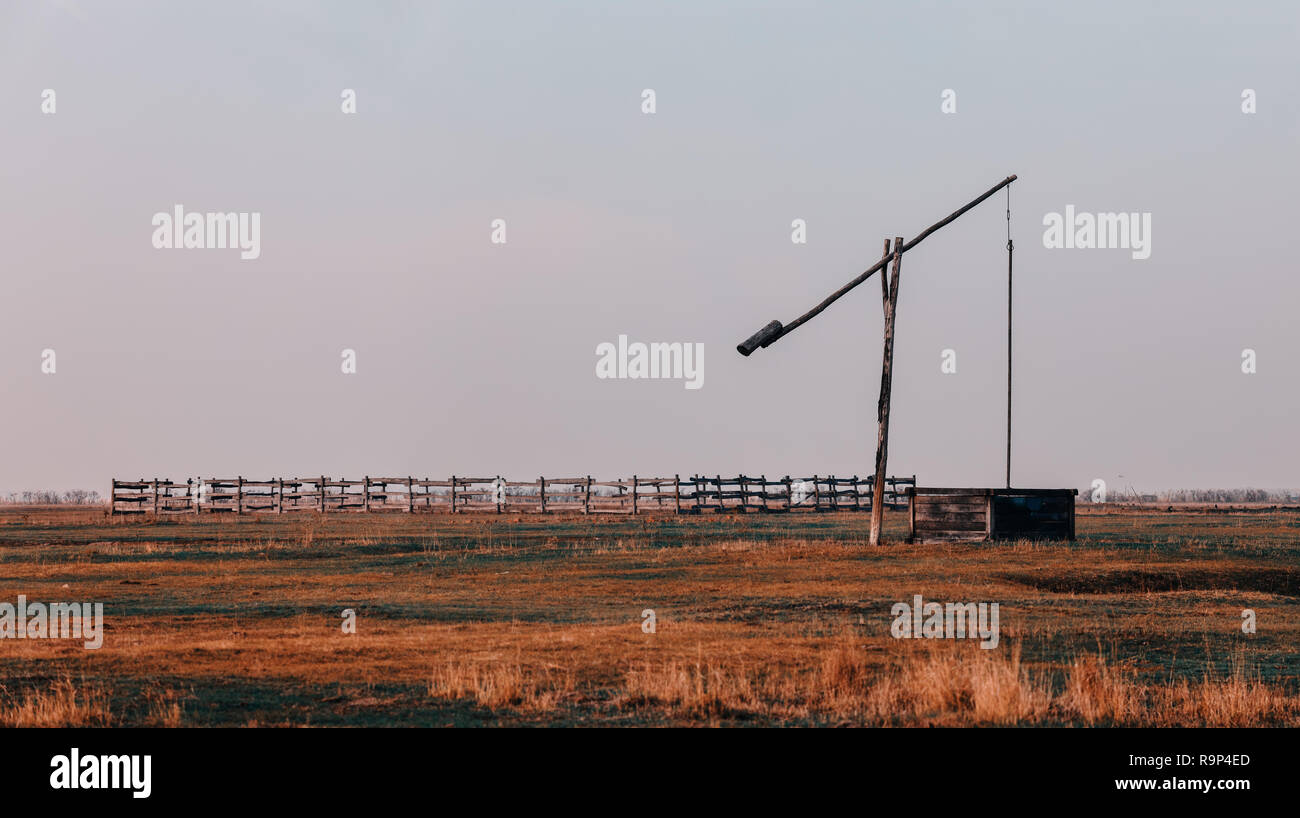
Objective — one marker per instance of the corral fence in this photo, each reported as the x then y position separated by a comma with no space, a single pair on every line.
577,495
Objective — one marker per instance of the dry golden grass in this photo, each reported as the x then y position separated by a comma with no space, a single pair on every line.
164,708
65,703
501,684
1096,692
945,686
761,620
62,704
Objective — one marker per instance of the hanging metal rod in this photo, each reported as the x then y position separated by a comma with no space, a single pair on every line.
775,331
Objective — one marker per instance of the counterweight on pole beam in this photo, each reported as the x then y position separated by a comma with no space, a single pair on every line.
774,331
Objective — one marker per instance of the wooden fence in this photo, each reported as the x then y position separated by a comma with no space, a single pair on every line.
577,495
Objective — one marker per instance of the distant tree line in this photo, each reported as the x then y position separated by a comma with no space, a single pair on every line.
48,497
1200,496
1229,496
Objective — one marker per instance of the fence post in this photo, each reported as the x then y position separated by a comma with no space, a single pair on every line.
911,513
453,494
586,502
500,492
634,495
542,492
677,493
321,490
817,494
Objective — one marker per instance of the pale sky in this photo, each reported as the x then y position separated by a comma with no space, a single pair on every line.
477,358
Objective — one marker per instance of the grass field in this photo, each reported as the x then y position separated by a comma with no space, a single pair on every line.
486,620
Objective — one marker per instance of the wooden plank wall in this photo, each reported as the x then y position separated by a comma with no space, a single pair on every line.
950,515
696,494
978,515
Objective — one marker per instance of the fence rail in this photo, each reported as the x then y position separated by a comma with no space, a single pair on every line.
697,494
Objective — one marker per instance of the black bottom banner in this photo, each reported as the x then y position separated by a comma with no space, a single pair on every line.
143,768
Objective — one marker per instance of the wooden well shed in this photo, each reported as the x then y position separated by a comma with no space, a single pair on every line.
979,515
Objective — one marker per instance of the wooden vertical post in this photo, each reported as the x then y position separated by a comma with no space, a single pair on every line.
817,494
279,496
677,492
634,495
990,525
542,492
500,492
586,498
886,383
453,494
410,494
1070,499
321,490
155,497
239,494
884,284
